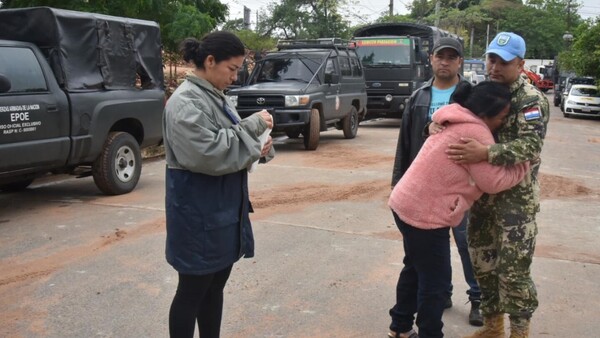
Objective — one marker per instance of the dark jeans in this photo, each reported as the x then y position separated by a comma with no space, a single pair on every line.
460,238
424,281
198,298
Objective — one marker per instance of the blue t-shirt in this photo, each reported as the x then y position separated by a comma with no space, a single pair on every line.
439,98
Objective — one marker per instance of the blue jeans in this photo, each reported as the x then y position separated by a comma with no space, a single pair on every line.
424,280
460,237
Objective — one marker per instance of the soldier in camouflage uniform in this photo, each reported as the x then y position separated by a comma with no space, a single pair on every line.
502,228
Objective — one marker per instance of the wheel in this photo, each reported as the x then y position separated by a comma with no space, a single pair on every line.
556,101
117,170
312,131
16,186
566,115
350,124
292,133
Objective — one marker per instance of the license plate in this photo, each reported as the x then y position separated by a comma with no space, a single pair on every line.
586,110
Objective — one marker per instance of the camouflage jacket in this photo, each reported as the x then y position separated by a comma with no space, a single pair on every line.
519,139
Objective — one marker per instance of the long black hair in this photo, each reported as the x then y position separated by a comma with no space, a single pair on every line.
486,99
222,45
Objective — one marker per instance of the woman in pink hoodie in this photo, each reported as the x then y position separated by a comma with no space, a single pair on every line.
435,193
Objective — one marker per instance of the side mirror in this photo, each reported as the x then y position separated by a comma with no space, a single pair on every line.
4,84
422,58
332,78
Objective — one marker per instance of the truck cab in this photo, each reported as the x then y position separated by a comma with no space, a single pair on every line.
80,93
396,61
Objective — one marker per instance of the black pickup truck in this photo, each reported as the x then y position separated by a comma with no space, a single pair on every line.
80,93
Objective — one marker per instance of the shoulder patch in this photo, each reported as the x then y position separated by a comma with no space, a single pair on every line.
532,113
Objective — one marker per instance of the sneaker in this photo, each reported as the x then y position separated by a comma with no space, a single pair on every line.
448,303
475,317
409,334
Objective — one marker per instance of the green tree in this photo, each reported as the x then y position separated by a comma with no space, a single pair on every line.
584,56
304,19
541,30
255,41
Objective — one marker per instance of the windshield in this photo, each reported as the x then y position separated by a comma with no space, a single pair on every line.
588,92
384,51
286,68
474,65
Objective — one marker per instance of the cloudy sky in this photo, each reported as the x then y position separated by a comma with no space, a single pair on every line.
365,11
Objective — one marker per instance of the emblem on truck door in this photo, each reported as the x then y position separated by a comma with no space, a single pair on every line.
260,100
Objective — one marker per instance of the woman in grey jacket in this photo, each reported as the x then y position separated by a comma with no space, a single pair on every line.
208,150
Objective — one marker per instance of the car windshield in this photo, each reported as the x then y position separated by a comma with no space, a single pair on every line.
477,66
289,67
588,92
384,51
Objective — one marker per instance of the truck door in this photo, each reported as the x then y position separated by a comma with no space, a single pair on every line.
347,92
34,121
332,102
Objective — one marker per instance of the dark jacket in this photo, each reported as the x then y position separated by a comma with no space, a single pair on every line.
411,138
208,227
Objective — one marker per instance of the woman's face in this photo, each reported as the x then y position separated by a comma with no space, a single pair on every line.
495,122
222,74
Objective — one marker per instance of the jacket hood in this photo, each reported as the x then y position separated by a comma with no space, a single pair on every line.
455,113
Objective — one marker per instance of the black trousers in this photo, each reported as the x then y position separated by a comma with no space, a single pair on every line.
198,298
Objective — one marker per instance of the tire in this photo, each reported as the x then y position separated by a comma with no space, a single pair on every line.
350,124
16,186
118,168
312,131
292,133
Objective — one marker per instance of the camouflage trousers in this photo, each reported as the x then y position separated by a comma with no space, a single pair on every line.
501,255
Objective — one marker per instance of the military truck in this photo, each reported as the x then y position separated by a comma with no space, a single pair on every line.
80,93
396,61
308,86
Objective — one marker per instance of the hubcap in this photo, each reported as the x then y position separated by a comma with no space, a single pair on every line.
125,164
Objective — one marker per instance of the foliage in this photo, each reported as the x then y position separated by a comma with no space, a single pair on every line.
305,19
256,42
584,56
542,30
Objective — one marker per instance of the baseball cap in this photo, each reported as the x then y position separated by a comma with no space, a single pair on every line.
447,42
508,46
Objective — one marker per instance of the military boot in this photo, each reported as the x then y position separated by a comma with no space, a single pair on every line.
493,327
519,327
475,317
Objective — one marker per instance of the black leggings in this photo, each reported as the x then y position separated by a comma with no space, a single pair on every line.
198,297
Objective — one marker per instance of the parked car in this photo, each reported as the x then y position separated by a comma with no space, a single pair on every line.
473,76
308,86
80,93
582,100
572,80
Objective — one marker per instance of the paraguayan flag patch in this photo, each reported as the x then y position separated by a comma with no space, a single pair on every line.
532,114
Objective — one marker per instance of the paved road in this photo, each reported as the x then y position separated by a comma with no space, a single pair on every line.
74,263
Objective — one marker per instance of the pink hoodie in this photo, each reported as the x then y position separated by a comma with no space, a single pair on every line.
435,192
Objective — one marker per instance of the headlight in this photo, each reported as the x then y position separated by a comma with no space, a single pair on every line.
233,99
296,100
571,102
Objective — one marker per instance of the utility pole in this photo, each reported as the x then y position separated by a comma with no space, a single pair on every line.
437,12
246,17
391,7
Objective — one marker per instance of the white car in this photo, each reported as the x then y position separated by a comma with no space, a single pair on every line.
582,100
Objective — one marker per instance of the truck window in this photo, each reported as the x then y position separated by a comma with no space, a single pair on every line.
384,51
23,70
345,66
356,69
286,68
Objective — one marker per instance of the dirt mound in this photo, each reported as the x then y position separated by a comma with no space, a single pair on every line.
553,186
